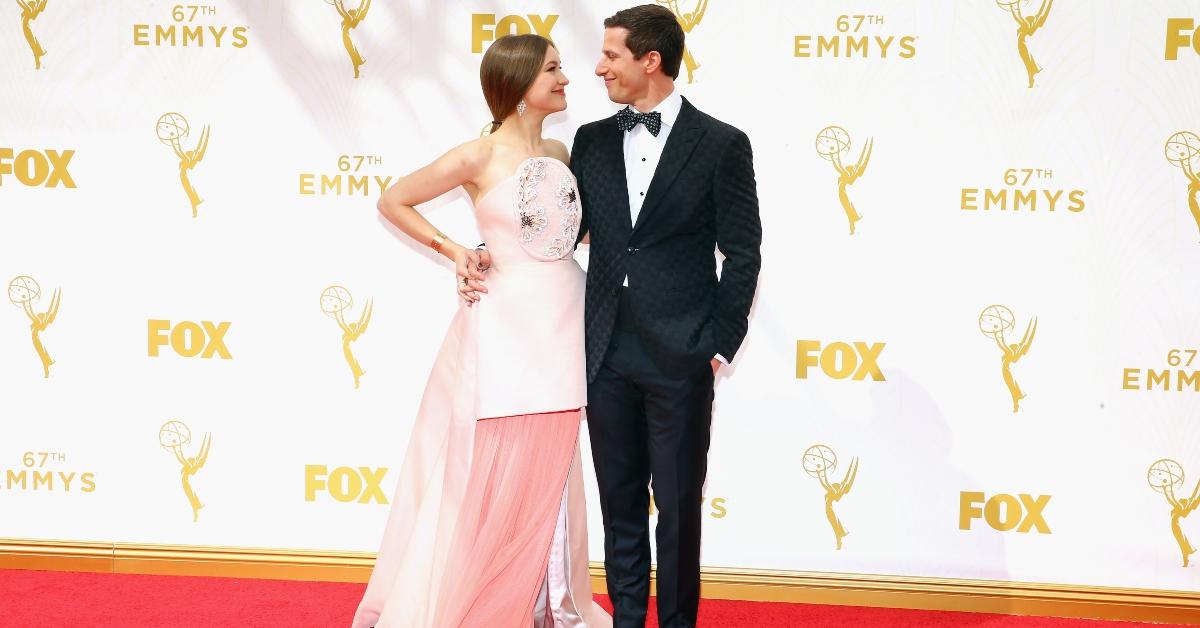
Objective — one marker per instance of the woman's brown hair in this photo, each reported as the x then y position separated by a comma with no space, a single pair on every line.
509,67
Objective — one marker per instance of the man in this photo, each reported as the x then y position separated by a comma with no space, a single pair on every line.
661,185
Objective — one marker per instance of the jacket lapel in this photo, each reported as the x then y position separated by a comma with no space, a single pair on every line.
612,148
680,144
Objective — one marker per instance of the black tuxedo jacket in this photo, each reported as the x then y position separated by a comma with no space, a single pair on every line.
702,196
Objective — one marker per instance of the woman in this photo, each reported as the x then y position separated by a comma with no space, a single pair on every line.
487,527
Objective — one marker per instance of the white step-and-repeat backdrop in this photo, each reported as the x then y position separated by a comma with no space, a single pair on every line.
973,352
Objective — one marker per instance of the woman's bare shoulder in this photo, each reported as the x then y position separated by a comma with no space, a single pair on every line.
558,150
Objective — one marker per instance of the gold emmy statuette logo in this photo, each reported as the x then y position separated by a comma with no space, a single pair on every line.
351,18
185,31
34,474
172,129
35,168
174,436
335,300
23,291
852,42
484,27
30,10
1182,149
688,20
833,143
347,182
995,321
1003,512
1131,377
1026,27
1166,476
820,460
364,484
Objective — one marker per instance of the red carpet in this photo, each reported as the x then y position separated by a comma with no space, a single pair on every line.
47,598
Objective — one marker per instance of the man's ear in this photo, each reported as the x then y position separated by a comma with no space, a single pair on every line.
652,61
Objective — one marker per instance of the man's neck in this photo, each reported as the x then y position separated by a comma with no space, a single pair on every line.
658,91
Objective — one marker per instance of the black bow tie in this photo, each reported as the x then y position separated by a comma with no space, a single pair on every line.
628,118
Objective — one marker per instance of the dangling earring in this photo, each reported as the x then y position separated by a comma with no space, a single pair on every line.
521,108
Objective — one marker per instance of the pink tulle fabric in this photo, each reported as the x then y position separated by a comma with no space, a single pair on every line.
501,545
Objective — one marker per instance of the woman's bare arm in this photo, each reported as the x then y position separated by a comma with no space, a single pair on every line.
459,166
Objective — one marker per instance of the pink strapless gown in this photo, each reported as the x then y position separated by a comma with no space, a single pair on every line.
487,526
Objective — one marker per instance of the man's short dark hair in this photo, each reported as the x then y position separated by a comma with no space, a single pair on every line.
652,27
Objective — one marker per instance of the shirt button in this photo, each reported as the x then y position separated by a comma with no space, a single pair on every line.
643,159
641,193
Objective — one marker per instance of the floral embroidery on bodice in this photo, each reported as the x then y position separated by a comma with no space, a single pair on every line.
547,205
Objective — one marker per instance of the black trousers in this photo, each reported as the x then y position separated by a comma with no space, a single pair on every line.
649,427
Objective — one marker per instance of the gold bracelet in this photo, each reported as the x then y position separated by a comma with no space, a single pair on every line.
439,239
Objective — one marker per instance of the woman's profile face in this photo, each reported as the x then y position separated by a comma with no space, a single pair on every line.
548,92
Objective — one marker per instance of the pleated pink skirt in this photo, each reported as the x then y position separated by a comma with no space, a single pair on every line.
502,541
